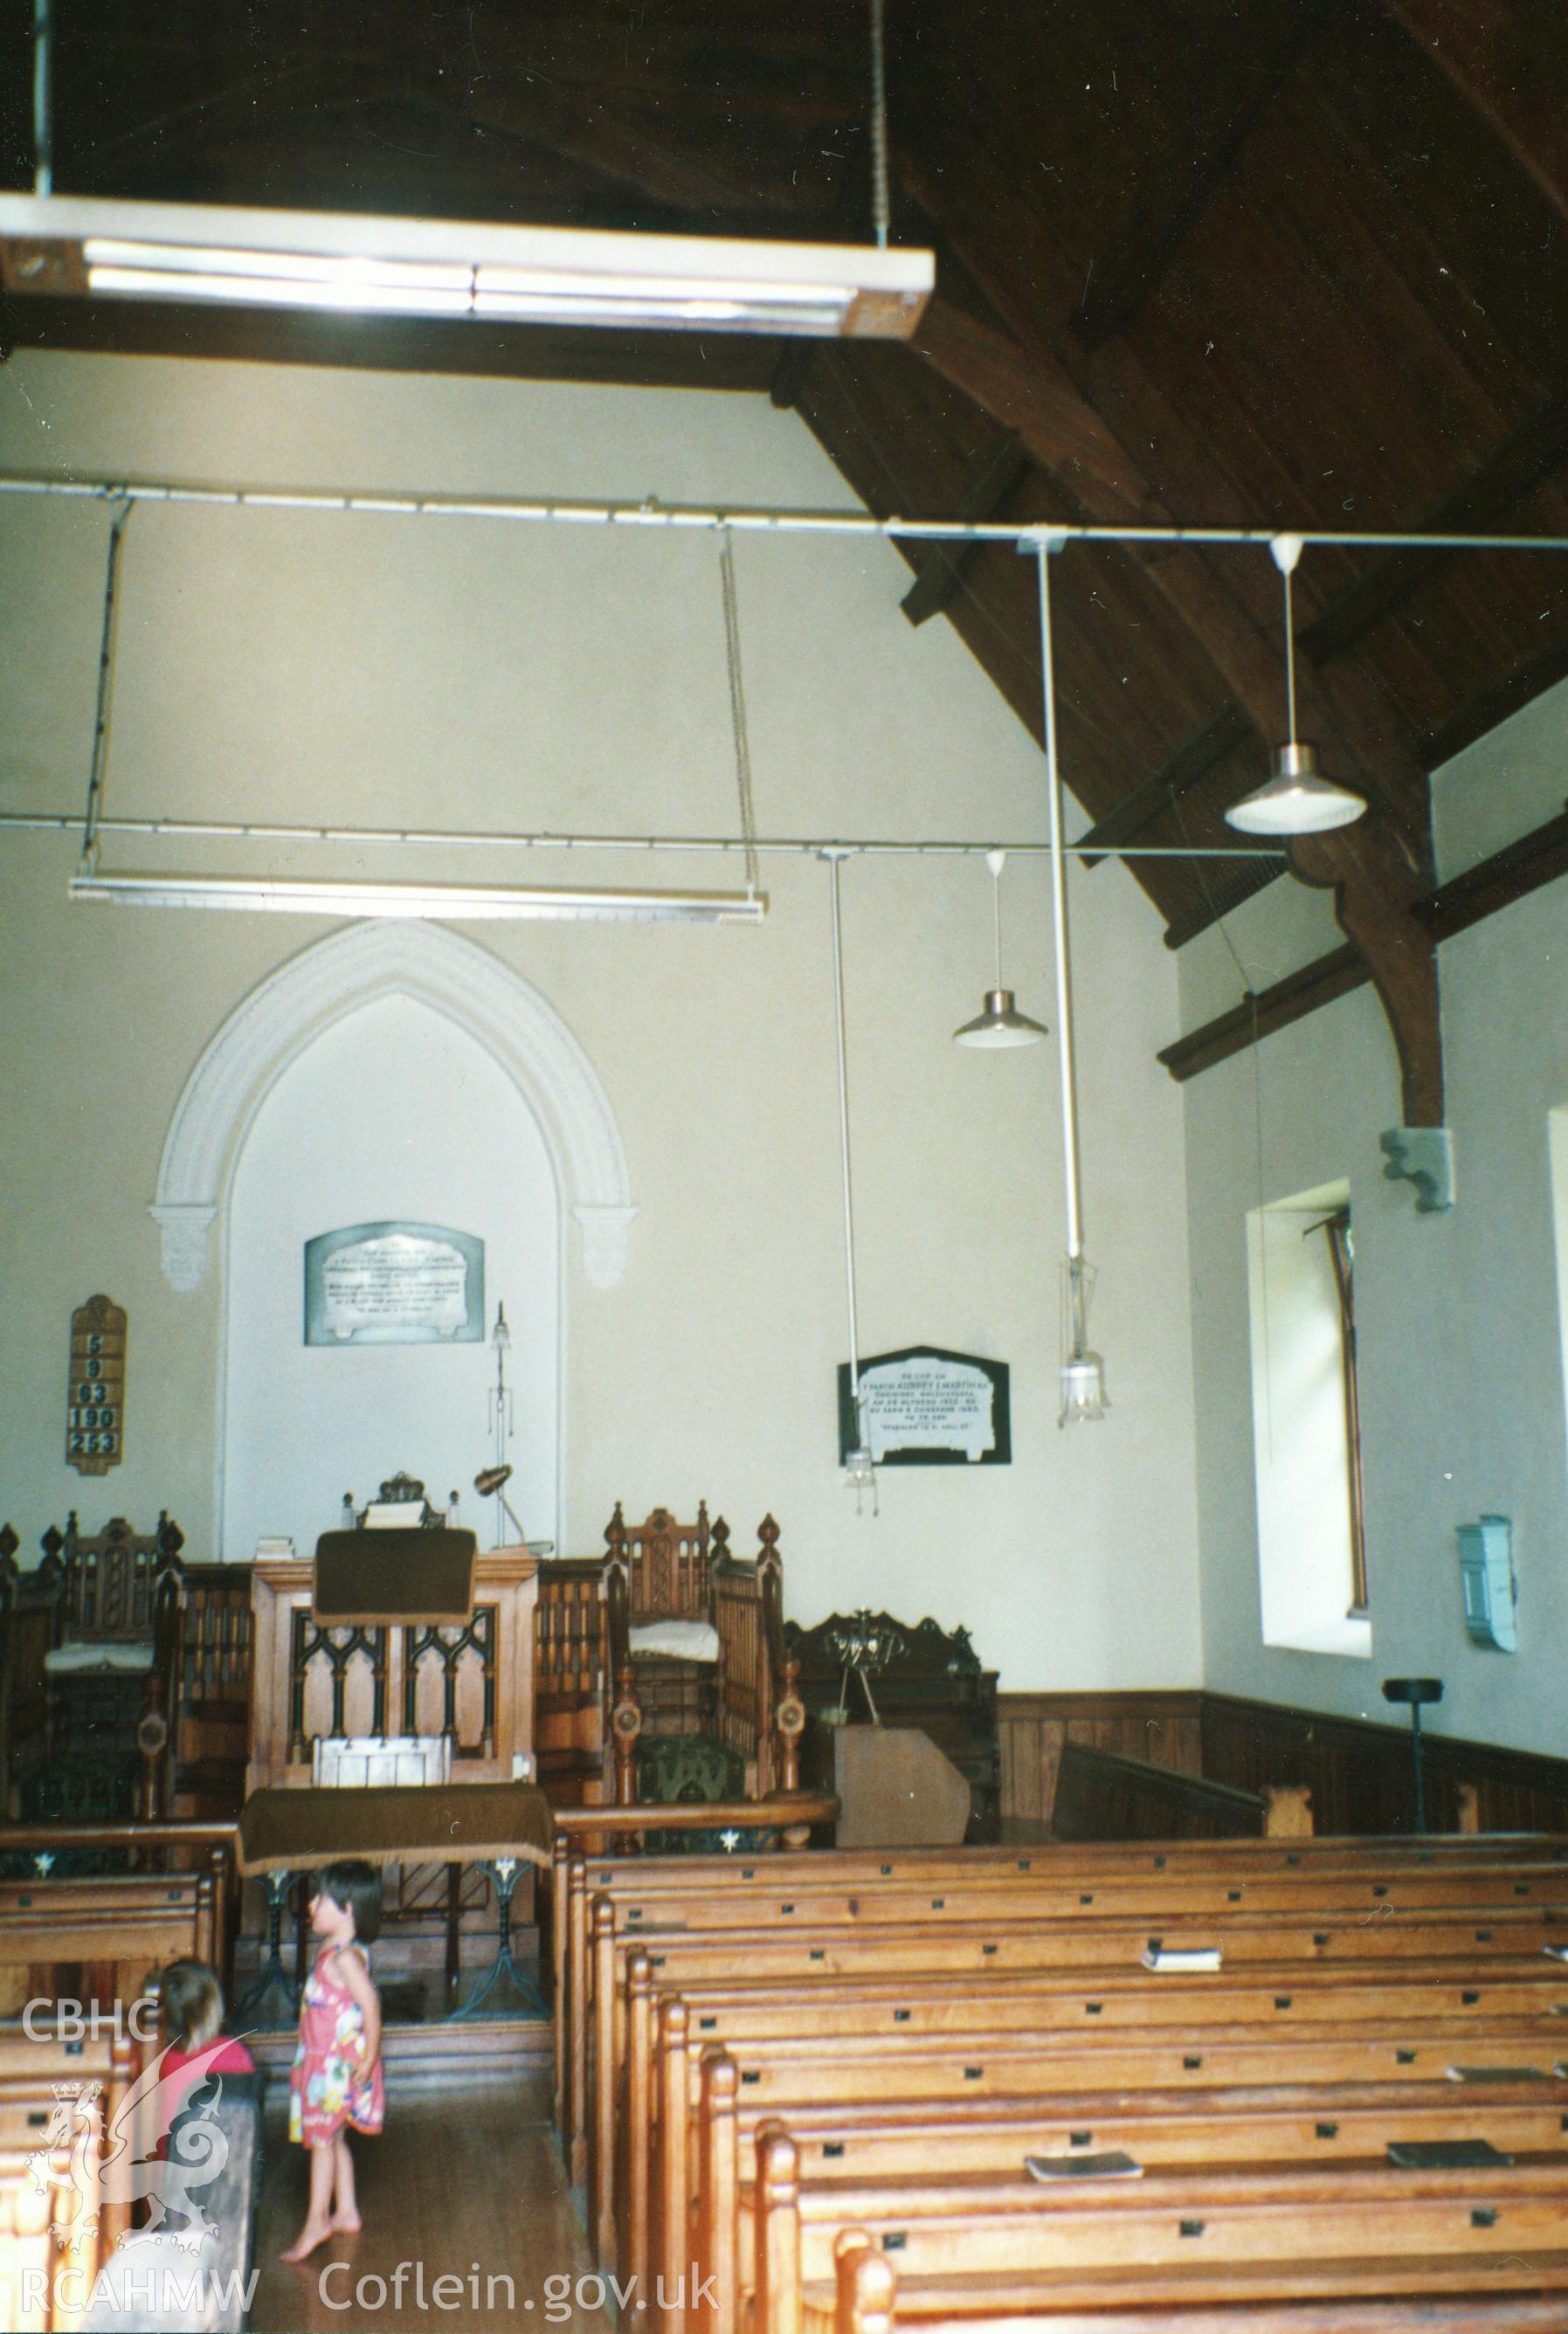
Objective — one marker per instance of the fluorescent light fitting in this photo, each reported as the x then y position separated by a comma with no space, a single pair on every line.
63,244
445,902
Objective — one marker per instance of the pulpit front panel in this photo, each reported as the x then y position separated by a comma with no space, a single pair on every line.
473,1681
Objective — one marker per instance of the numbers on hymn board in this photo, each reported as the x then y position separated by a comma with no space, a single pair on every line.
95,1392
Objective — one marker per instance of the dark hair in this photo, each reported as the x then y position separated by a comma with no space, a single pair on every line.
192,2002
357,1889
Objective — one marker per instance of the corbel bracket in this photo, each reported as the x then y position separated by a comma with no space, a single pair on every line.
1375,886
1424,1156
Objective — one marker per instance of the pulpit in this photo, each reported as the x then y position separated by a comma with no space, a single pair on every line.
404,1661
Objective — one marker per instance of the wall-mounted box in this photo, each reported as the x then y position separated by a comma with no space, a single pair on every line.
1491,1593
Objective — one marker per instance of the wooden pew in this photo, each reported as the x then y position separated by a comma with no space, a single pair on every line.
1101,1795
850,2048
699,2092
97,1941
910,1920
1169,2230
870,2304
52,2095
868,2140
761,1901
1058,2004
1518,2294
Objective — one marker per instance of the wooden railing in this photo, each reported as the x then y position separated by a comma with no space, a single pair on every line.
571,1664
27,1602
211,1714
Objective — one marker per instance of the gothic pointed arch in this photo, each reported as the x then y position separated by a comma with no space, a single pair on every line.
280,1018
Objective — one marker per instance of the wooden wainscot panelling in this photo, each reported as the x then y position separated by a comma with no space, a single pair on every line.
1359,1773
1162,1725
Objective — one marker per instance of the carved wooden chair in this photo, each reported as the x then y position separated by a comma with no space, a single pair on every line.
694,1646
672,1636
110,1667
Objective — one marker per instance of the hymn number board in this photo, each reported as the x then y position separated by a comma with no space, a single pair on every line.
96,1399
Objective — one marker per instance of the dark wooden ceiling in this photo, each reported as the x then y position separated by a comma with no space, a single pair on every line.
1298,263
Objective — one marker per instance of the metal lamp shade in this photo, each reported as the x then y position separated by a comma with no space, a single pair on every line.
1297,799
1001,1024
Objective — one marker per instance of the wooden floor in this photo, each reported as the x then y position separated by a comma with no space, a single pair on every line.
460,2184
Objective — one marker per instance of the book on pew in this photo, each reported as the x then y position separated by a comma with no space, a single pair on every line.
1111,2165
1183,1957
1496,2074
1445,2154
1557,1953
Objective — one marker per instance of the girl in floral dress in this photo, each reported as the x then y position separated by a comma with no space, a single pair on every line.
337,2071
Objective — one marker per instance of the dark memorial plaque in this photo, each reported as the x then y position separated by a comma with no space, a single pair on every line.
927,1407
423,1577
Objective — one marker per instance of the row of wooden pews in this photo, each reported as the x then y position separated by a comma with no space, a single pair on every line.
59,2100
804,2089
79,1963
98,1941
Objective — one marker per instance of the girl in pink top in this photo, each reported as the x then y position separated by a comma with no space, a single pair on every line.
190,2007
337,2072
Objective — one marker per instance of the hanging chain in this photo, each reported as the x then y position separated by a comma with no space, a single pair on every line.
880,203
105,688
738,708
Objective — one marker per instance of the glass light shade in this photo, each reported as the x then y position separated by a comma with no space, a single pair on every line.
859,1470
1084,1394
1000,1024
1296,799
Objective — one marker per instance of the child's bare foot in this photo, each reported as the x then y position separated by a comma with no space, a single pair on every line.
348,2224
314,2234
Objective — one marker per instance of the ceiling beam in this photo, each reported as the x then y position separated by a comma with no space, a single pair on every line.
1375,891
789,375
1532,453
1261,1013
1510,874
1177,775
1021,380
1510,695
1375,868
1509,62
943,565
1239,881
1244,76
1036,400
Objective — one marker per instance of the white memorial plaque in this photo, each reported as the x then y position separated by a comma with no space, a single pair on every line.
394,1284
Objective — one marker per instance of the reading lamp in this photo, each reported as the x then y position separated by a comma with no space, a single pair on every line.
491,1482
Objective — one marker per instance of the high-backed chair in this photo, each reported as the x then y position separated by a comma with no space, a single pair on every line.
695,1645
111,1668
672,1635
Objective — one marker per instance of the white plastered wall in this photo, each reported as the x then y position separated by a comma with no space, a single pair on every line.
1460,1348
384,672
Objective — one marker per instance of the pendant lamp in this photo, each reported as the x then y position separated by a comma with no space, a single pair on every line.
859,1473
999,1022
1296,798
1083,1395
